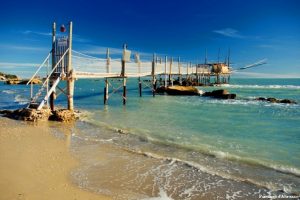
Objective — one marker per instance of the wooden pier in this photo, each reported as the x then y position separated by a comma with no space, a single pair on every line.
69,65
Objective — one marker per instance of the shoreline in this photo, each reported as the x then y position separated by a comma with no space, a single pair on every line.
34,164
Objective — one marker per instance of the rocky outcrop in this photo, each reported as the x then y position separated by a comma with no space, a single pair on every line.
63,115
29,114
274,100
13,81
23,82
220,94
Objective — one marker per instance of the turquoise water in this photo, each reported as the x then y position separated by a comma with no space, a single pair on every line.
242,139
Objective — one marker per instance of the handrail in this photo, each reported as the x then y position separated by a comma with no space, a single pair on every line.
40,67
55,66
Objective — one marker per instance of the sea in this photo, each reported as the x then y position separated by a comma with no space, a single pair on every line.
182,147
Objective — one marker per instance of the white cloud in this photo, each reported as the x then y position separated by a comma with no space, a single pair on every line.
229,32
37,33
11,64
23,48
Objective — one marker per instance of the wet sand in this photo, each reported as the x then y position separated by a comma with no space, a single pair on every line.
36,165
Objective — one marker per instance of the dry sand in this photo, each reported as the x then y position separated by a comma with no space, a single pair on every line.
36,165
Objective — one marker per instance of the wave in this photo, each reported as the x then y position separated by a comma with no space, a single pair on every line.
21,100
9,91
206,169
206,150
222,156
263,86
245,101
280,168
162,196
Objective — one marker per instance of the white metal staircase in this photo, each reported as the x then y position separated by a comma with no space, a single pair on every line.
41,97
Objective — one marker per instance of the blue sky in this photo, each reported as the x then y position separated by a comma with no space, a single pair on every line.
253,30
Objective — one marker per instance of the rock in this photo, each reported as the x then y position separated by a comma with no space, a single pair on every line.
261,99
63,115
161,90
28,114
220,94
182,90
6,112
13,81
23,82
178,90
274,100
2,78
288,101
229,96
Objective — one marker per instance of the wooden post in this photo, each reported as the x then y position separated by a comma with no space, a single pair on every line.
105,92
140,87
197,76
70,78
166,76
137,60
124,90
170,72
53,64
123,75
153,75
107,61
179,71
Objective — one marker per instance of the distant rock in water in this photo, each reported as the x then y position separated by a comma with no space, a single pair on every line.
5,77
179,90
274,100
23,82
220,94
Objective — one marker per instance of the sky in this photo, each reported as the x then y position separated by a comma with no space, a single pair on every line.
252,29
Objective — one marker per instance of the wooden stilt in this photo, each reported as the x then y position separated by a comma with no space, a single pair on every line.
123,75
70,79
153,75
166,76
106,91
170,73
140,87
124,91
53,64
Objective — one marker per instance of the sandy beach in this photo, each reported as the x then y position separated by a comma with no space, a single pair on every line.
35,164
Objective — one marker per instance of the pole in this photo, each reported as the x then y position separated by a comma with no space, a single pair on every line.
140,87
53,64
106,91
31,90
153,75
170,72
139,71
70,79
179,71
123,75
107,61
124,90
166,76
